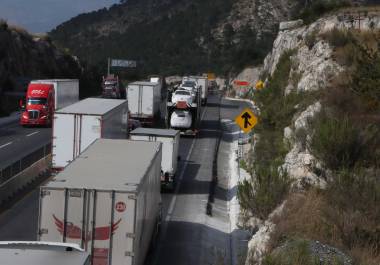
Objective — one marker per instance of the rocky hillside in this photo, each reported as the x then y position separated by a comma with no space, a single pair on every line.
178,36
315,171
24,57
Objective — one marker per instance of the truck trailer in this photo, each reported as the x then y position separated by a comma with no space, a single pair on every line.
185,117
144,99
78,125
43,97
201,81
42,253
170,145
107,201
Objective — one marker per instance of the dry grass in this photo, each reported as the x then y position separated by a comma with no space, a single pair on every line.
312,216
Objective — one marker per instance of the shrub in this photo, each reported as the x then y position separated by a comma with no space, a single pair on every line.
338,37
295,253
317,8
267,190
336,142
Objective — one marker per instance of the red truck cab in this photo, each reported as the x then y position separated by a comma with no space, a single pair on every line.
39,105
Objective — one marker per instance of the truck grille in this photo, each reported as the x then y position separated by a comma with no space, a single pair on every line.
33,114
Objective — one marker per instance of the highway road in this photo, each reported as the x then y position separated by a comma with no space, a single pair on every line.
188,235
17,141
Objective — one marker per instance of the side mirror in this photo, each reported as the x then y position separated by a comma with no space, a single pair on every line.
22,105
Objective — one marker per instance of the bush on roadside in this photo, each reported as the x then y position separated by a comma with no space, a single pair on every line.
265,192
316,8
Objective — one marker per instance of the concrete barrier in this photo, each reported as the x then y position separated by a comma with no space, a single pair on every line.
18,182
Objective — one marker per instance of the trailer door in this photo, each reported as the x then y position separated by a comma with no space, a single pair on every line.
111,229
90,131
63,140
133,99
147,100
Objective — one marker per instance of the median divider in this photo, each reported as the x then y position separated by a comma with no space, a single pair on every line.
19,174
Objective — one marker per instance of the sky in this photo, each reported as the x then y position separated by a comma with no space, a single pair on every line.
39,16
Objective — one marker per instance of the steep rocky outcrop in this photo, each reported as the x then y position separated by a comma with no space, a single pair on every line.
313,67
25,56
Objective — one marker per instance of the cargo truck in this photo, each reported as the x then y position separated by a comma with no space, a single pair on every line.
42,253
201,81
79,125
170,146
183,116
144,99
111,87
107,201
43,97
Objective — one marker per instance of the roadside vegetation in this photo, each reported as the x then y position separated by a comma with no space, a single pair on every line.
269,186
345,139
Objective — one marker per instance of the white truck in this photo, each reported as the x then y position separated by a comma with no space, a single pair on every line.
77,126
42,253
202,82
144,99
107,201
170,145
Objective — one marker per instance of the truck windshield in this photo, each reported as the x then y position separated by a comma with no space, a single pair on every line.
36,101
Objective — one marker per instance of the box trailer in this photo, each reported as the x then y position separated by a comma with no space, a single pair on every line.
170,145
66,91
42,253
77,126
144,99
107,201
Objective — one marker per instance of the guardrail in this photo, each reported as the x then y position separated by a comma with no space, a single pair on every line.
11,170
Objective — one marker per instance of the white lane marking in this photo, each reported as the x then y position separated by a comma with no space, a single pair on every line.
4,145
33,133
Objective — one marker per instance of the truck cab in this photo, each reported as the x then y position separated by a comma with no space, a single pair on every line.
39,105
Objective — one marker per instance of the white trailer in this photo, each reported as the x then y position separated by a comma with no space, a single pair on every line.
77,126
66,91
42,253
170,145
202,82
144,99
107,201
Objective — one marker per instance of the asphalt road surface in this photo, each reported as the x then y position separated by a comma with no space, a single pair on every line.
17,141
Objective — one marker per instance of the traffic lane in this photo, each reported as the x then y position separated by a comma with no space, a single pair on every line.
20,223
188,235
15,131
23,142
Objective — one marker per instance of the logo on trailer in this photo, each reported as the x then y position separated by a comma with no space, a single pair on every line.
120,207
75,232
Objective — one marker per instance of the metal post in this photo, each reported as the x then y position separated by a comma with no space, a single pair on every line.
109,66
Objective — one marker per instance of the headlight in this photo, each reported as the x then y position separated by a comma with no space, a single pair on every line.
43,117
25,115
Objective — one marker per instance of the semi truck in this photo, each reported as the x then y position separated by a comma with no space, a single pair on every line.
183,116
107,201
144,99
78,125
43,97
170,145
42,253
111,87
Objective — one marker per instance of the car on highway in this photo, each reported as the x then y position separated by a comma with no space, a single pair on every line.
181,119
182,95
245,138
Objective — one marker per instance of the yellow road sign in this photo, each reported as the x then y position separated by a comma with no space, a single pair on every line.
259,85
246,120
